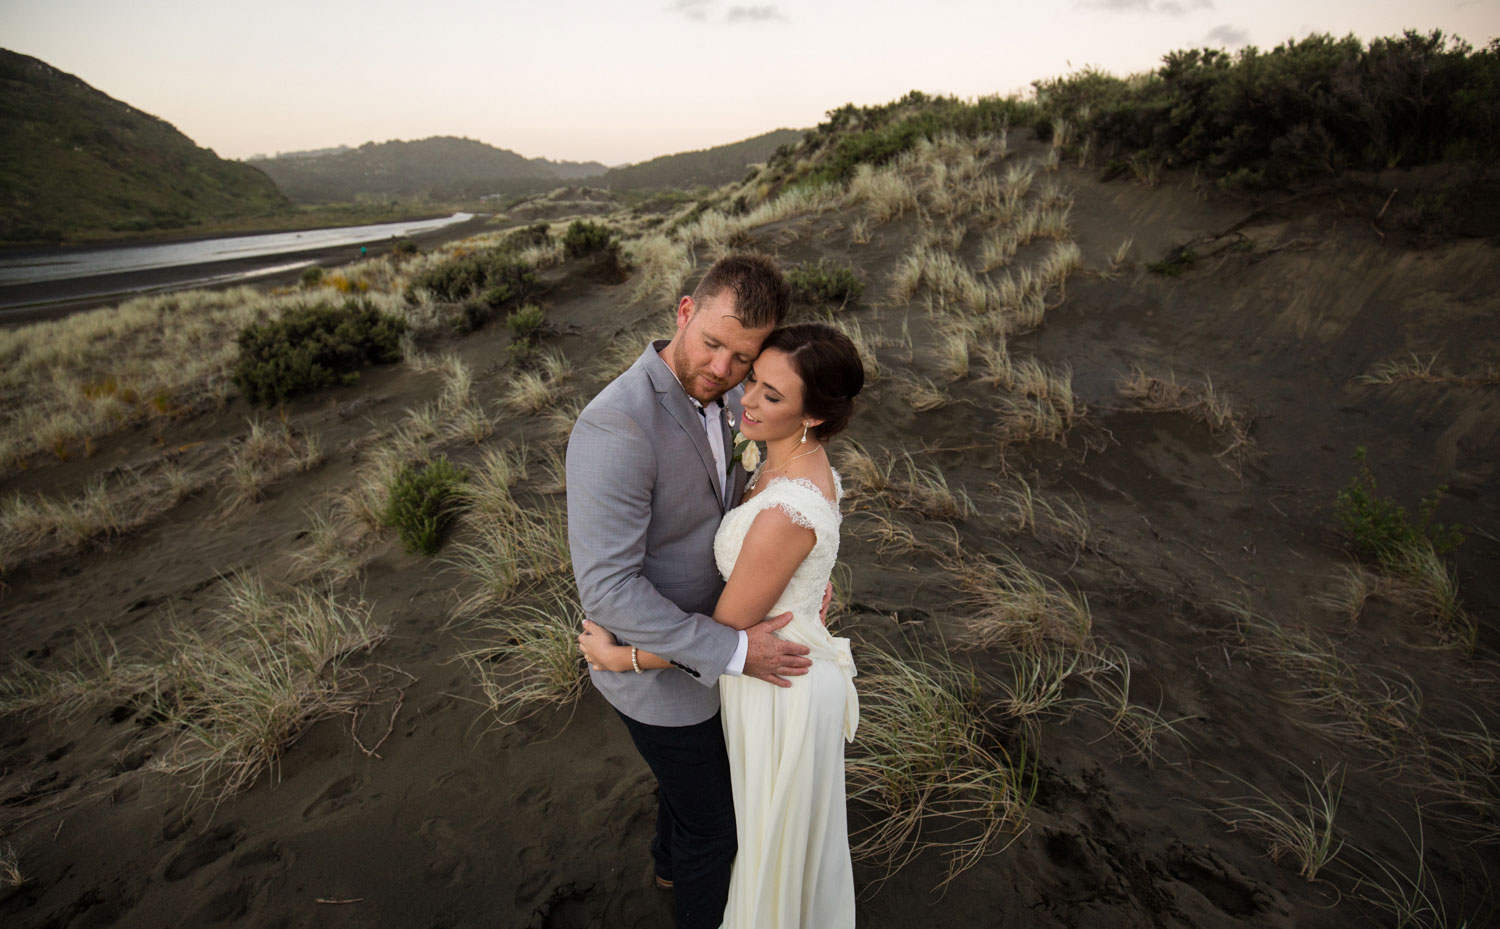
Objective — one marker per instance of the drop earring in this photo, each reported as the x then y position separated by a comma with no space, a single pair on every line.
804,433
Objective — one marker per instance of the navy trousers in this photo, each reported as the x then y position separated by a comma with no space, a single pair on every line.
695,841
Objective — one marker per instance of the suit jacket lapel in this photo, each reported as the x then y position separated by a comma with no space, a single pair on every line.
737,474
675,401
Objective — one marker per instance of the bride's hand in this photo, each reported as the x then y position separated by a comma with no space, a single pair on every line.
599,646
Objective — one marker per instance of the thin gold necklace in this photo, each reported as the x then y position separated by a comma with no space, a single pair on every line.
783,467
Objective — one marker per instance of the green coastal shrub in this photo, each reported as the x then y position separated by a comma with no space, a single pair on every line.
585,238
824,283
1305,109
1380,528
525,326
312,277
528,236
494,276
877,135
404,248
311,347
421,503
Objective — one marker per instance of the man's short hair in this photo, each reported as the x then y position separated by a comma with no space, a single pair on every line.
761,294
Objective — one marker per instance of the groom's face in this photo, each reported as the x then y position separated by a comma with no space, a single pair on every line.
713,350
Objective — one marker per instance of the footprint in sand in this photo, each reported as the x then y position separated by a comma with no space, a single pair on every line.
1219,884
333,797
445,867
204,851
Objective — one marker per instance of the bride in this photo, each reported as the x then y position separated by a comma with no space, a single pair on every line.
777,550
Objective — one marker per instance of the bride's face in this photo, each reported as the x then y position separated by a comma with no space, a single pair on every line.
773,399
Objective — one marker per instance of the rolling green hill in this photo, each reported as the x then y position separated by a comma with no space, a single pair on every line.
439,167
710,166
78,164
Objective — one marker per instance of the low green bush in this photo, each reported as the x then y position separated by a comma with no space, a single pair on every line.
1306,109
1379,527
404,248
584,237
878,135
824,283
421,504
311,347
312,277
495,276
527,236
525,326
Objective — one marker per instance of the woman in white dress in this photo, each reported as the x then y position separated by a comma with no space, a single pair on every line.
777,550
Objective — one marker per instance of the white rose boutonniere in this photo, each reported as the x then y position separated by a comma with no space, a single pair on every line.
746,452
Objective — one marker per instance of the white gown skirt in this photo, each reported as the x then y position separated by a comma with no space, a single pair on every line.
786,760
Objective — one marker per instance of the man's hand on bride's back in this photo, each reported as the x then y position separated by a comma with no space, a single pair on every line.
771,659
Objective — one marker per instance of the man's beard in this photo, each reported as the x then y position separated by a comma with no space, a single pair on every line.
690,378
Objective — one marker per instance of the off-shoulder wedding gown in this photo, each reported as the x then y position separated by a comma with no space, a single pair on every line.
786,744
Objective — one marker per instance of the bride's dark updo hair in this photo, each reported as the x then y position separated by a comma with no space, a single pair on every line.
832,374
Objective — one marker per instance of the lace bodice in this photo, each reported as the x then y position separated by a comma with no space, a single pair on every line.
801,500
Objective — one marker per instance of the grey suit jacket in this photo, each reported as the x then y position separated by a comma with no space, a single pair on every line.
644,500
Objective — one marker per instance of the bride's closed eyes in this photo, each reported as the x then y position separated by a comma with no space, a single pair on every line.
771,392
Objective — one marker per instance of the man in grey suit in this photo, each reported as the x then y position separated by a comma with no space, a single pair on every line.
650,474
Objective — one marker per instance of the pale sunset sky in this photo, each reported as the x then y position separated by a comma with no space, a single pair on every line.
618,80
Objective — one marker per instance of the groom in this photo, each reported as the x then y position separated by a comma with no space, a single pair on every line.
650,473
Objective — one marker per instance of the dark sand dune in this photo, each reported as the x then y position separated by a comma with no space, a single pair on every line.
452,821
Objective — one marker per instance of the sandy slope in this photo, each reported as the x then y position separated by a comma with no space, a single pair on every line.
546,823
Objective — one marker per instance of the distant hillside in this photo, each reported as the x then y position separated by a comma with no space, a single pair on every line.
76,163
439,167
710,166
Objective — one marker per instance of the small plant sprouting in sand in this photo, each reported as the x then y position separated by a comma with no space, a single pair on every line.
825,284
272,663
502,562
35,526
10,867
1408,552
332,544
263,455
1202,402
1038,684
1017,181
1057,265
886,193
1300,831
420,503
526,658
1415,900
918,489
1011,605
923,395
891,536
865,343
530,392
998,249
1142,728
1380,528
1417,369
1053,521
995,356
562,418
1117,260
94,672
859,232
924,770
953,352
940,272
1020,421
1144,169
663,267
488,495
